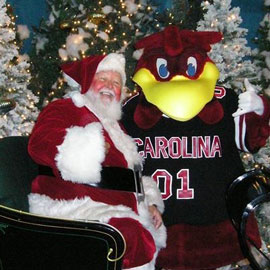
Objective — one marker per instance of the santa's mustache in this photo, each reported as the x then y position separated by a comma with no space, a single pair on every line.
107,91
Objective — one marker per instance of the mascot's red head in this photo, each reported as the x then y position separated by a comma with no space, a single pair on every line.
175,74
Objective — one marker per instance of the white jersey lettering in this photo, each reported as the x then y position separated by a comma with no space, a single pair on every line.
180,147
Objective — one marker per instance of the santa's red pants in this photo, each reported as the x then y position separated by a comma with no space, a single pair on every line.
140,245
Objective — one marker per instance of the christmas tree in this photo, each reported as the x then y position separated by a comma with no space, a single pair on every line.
76,29
183,13
229,54
14,79
261,56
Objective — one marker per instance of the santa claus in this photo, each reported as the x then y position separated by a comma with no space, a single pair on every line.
79,136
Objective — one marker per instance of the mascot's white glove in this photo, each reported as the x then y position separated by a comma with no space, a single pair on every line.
249,101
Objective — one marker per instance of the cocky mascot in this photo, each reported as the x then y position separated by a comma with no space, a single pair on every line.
77,139
189,131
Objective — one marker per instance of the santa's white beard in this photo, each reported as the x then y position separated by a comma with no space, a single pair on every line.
109,110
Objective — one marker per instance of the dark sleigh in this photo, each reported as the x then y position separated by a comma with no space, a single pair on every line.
249,196
34,242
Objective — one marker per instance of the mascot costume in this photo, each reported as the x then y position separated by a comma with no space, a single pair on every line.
78,144
189,131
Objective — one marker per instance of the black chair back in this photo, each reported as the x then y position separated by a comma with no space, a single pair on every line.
17,170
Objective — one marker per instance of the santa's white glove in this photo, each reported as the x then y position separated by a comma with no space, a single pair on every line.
249,101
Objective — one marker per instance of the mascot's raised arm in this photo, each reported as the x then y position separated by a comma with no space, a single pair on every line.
189,131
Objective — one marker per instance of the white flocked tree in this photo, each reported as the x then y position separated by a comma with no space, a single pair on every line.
14,79
261,55
230,55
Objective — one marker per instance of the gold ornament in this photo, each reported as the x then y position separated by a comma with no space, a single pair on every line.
96,18
6,105
257,165
65,25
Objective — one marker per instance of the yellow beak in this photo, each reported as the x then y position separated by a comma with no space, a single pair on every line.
180,98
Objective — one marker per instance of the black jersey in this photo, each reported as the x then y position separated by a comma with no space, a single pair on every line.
192,162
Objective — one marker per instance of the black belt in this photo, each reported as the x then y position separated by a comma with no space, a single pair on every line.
114,178
117,178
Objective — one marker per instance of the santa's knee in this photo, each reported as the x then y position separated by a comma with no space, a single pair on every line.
140,245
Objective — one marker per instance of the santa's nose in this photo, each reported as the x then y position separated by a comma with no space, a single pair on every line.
109,84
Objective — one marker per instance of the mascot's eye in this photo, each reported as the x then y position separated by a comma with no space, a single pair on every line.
162,68
191,66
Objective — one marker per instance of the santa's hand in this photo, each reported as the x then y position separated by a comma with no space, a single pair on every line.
156,216
107,147
249,101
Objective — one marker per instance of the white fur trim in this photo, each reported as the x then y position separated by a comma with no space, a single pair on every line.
78,209
87,209
152,193
123,142
160,234
115,62
80,155
70,81
77,98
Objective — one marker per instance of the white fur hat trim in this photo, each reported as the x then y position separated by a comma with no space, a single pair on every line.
71,82
115,62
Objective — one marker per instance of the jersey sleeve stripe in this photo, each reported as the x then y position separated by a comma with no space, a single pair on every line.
240,132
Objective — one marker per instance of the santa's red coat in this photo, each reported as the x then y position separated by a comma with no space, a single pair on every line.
70,138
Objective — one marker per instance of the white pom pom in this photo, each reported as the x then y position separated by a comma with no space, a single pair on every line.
72,83
77,98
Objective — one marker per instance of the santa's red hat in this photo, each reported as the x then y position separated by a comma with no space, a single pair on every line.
83,71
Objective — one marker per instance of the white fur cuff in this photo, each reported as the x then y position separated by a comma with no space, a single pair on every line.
80,156
152,193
